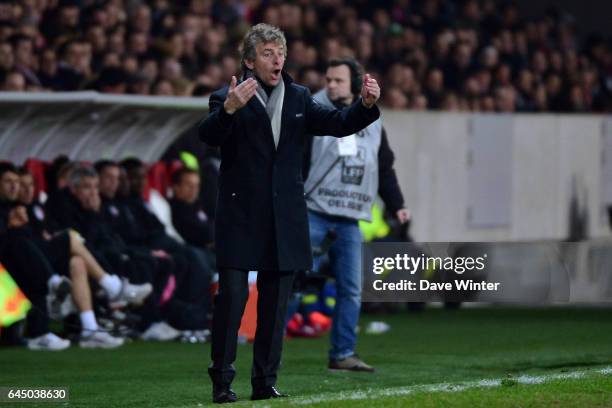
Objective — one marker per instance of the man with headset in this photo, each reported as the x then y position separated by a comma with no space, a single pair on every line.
343,178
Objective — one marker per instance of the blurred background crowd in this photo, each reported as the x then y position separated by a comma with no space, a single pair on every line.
469,55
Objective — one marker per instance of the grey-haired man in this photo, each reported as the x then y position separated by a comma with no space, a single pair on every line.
261,125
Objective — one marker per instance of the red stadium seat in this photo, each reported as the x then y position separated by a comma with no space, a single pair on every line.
38,169
173,166
158,177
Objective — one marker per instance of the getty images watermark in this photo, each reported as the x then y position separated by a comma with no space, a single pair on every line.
464,272
413,264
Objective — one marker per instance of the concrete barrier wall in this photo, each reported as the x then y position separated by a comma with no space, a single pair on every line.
557,169
546,272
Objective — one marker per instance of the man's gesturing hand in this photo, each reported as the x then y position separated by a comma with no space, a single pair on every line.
370,91
238,96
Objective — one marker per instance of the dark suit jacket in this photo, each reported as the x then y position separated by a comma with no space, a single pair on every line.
261,221
191,222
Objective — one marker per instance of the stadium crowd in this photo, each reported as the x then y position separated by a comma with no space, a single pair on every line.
469,55
95,247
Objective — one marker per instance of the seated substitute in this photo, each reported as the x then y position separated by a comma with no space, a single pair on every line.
188,215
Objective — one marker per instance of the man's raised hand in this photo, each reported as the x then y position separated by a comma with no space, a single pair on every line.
238,96
370,91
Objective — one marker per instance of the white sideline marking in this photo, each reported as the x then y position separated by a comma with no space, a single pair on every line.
443,387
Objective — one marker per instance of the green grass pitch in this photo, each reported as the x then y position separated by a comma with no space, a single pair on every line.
437,358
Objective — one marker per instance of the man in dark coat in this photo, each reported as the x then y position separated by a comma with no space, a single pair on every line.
261,222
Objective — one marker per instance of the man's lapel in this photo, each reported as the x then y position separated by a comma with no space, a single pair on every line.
266,139
289,109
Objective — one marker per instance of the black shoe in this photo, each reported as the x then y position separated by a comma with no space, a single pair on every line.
266,393
223,394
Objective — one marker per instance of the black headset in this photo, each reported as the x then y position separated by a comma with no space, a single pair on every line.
356,72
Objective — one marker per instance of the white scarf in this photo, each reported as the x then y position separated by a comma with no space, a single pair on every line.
273,106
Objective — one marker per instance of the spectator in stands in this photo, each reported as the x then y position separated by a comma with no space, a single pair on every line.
14,81
434,88
113,80
25,61
62,21
418,102
179,46
47,70
394,98
163,87
74,68
7,59
188,216
505,99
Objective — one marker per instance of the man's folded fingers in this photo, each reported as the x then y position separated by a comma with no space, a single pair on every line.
249,94
248,82
250,89
247,85
247,91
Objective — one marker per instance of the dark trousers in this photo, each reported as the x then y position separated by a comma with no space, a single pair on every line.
274,288
31,270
